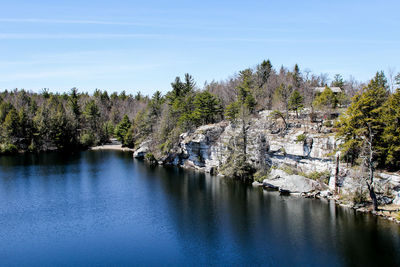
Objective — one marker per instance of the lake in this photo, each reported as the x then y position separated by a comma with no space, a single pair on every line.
104,208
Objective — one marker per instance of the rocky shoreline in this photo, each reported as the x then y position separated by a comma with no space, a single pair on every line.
301,161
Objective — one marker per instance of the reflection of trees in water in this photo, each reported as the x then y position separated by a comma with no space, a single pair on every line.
228,216
366,240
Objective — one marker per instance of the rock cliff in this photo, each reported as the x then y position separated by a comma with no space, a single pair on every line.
294,154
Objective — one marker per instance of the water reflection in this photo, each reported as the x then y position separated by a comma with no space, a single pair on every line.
104,208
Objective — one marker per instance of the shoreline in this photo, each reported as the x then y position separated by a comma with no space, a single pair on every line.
117,147
386,211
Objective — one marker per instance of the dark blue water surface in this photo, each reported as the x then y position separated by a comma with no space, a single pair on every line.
104,208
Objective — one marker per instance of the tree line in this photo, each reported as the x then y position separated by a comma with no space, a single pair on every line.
75,120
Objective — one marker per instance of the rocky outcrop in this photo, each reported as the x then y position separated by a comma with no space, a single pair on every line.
302,146
142,150
282,181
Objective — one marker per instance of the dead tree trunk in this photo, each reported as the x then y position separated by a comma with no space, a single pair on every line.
335,191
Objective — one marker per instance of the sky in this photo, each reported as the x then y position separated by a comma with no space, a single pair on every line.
143,45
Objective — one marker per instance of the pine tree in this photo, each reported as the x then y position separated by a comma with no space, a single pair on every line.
207,108
325,100
264,72
122,128
92,115
338,81
296,102
11,127
391,132
296,77
365,112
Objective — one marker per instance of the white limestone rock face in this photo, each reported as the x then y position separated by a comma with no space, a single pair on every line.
199,149
292,183
396,200
208,148
142,150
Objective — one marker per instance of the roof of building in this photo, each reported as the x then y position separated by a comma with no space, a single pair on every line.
334,89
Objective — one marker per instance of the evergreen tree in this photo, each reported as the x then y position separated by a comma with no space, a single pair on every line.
122,128
325,100
337,81
391,133
296,77
296,102
92,115
232,111
363,118
264,72
73,102
207,108
11,126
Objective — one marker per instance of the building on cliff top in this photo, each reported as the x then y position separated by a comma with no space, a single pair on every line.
335,90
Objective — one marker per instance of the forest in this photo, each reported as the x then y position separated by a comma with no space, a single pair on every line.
34,122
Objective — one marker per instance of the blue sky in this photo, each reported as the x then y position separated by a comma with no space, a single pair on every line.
143,45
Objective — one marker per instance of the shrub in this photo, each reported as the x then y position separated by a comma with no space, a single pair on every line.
238,167
319,175
359,197
150,158
87,140
128,139
328,124
8,149
289,170
260,175
301,138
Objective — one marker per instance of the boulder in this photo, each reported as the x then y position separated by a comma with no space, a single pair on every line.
325,193
142,150
396,200
292,183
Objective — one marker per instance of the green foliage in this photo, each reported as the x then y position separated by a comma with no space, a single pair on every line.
276,114
260,175
238,167
337,81
5,108
319,176
8,149
264,72
150,158
73,102
11,130
128,139
122,128
88,139
232,111
326,99
296,102
92,114
391,132
207,108
289,170
365,113
300,138
358,196
245,97
328,123
296,76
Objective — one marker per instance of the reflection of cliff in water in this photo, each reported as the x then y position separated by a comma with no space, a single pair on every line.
227,215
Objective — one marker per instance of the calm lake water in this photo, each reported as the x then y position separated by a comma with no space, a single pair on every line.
104,208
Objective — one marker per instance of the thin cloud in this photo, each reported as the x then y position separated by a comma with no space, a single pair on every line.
76,72
159,24
60,21
81,36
